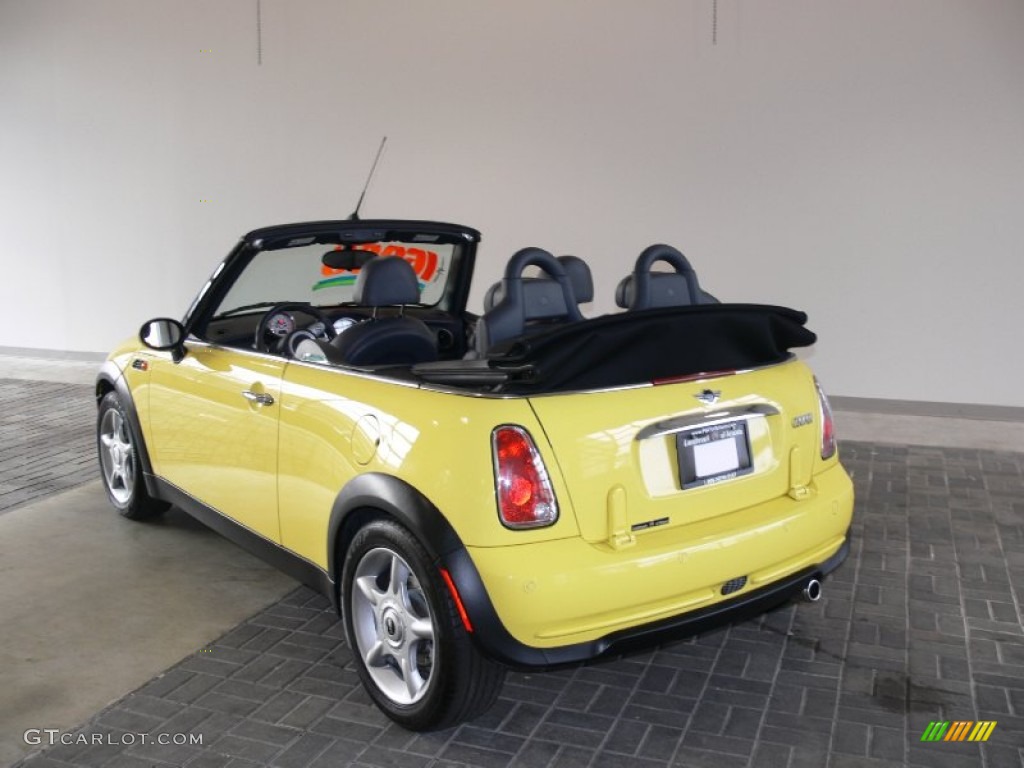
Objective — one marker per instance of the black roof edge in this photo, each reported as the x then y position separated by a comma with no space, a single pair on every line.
342,225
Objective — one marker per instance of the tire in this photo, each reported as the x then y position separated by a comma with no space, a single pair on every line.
409,645
116,444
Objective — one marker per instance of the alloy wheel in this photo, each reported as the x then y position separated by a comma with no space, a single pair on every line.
117,456
393,626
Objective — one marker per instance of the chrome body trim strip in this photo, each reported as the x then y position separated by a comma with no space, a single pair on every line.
695,421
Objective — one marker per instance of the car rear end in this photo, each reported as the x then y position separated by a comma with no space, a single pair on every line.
693,498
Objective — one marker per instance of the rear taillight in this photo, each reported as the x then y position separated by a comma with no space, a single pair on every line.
525,497
828,428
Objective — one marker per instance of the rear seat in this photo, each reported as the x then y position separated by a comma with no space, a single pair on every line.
519,305
644,289
579,275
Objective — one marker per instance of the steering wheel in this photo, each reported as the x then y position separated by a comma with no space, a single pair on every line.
287,342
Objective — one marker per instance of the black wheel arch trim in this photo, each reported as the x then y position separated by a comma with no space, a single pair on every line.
382,493
110,377
393,496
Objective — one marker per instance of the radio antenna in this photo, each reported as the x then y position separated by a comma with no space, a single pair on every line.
366,186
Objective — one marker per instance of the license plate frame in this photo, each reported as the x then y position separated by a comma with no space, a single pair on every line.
713,454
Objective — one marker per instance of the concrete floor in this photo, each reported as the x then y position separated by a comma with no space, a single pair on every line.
62,371
81,589
92,606
930,430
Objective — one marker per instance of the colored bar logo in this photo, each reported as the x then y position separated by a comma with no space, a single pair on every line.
959,730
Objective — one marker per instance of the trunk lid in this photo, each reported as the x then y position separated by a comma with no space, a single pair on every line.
663,456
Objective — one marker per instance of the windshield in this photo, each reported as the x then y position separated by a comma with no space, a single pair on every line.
297,273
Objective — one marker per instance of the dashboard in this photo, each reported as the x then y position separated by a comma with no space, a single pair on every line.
237,330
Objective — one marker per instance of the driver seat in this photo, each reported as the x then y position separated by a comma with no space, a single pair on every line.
386,281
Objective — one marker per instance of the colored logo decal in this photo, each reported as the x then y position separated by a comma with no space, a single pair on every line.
348,278
959,730
424,263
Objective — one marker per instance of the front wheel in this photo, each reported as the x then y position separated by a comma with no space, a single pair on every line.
413,654
119,462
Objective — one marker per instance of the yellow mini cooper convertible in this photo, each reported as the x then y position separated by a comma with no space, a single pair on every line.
526,488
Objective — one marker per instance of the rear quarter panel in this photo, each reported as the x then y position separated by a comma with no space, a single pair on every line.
337,424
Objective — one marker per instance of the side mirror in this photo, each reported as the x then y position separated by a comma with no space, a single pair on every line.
163,334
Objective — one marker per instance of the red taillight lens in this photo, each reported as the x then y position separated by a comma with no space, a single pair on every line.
525,497
828,428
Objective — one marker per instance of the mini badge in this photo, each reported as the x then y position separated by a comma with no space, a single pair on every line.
709,396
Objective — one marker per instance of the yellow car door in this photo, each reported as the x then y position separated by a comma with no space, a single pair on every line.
214,425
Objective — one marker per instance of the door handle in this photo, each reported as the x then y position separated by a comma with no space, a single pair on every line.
257,398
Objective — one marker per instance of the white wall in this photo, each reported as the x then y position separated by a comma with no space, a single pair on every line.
860,159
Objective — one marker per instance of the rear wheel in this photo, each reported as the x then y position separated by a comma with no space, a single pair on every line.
119,462
412,652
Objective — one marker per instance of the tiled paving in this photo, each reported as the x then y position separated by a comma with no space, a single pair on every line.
922,623
46,439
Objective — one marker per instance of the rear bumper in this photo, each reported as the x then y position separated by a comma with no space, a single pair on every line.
496,641
564,601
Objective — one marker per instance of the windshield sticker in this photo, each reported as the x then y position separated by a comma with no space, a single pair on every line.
347,278
424,263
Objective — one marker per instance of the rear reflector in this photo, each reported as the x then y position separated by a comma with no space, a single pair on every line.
525,496
448,582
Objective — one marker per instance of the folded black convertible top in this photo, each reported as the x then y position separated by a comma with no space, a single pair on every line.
632,348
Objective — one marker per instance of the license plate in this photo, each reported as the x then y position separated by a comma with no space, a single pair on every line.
713,454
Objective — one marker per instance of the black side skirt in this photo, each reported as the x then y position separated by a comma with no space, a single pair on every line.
283,559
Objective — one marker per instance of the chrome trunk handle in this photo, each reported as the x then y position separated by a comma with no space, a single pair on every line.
695,421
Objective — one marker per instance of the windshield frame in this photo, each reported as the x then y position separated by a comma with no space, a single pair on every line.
453,300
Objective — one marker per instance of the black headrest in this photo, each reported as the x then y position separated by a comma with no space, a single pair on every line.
624,292
385,281
522,299
544,299
664,289
492,297
579,276
538,297
644,289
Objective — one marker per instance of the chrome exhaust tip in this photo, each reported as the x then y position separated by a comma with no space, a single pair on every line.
812,591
